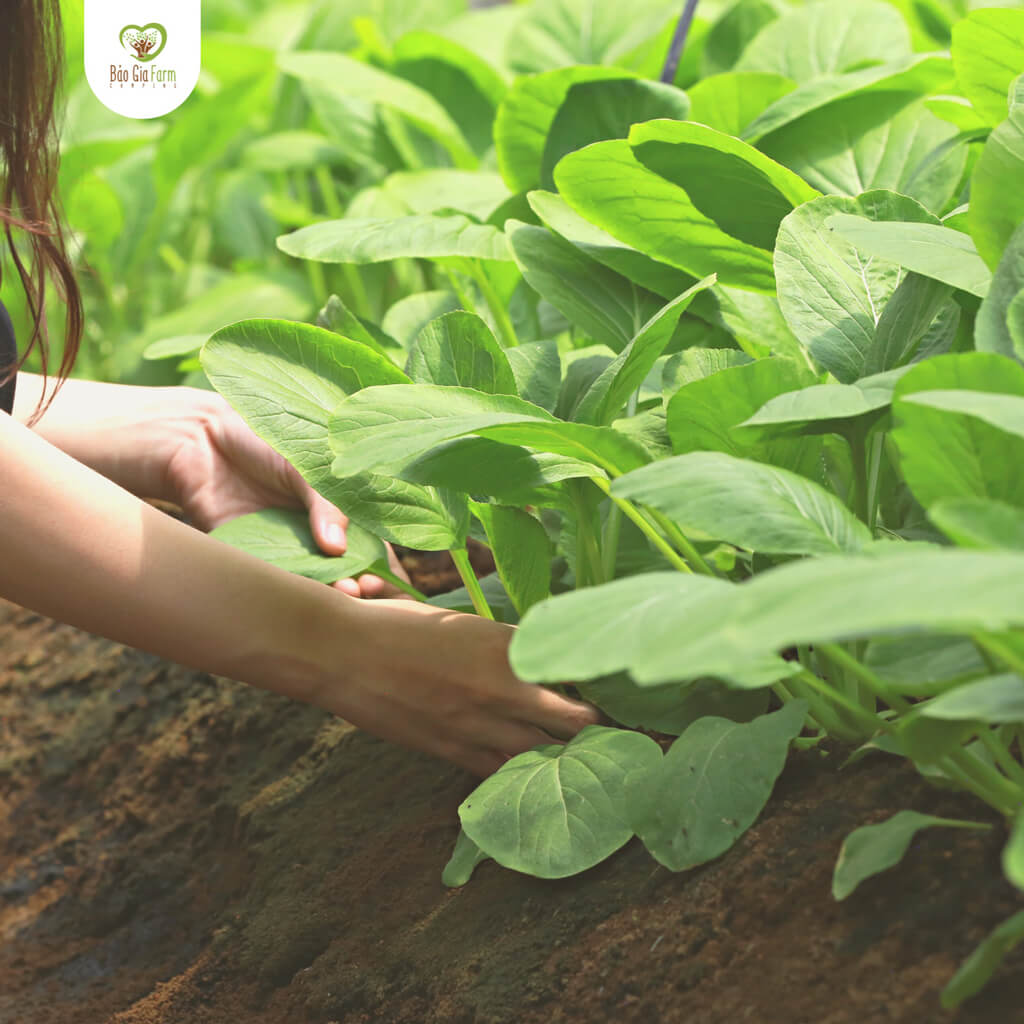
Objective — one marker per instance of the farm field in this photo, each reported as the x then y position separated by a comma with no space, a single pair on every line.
687,340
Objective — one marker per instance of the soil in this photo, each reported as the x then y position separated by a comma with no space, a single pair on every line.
180,849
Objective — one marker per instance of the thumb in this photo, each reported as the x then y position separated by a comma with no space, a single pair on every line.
327,521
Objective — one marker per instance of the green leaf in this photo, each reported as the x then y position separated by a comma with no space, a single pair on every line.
525,118
407,317
522,553
992,329
475,193
823,409
291,151
996,699
459,349
285,378
987,47
971,522
597,631
910,664
338,318
182,345
607,306
419,236
606,184
978,968
831,294
607,109
947,452
828,38
928,249
283,538
620,379
1013,853
870,850
350,79
731,101
671,709
697,363
722,632
638,267
558,810
702,415
711,786
465,859
732,32
379,428
744,192
537,368
919,321
748,504
997,202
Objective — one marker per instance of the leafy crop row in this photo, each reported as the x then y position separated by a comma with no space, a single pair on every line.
726,371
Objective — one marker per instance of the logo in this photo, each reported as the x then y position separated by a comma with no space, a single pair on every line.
146,42
142,57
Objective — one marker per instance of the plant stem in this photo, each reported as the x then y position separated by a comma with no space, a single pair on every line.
859,456
1002,756
675,52
994,789
998,649
842,658
867,723
645,527
496,306
460,292
460,556
397,581
682,542
336,210
819,714
588,556
877,448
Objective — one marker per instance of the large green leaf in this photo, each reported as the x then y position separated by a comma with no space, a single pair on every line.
711,786
828,38
596,243
384,427
702,414
607,109
947,452
285,379
919,321
522,552
744,192
372,240
992,331
995,700
928,249
972,522
987,48
348,78
831,294
558,810
283,538
978,968
537,368
869,850
607,306
458,349
476,193
731,101
694,628
525,118
748,504
609,393
407,317
609,186
733,31
997,201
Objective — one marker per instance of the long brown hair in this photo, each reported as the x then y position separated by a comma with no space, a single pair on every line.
31,72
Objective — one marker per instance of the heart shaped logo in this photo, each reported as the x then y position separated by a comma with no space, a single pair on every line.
144,42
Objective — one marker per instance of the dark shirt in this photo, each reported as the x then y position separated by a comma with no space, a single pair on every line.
8,358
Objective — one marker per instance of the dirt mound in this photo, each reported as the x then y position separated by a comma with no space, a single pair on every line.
177,849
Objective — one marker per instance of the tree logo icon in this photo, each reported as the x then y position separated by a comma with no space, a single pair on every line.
144,42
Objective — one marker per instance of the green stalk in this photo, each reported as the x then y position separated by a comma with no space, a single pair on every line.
315,270
463,296
496,306
819,715
859,455
645,527
460,556
998,649
1002,756
875,469
867,722
397,581
993,788
336,210
613,525
588,556
842,658
682,542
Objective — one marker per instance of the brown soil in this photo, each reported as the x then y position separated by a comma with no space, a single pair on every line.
177,849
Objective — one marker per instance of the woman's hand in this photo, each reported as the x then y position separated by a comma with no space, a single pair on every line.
221,470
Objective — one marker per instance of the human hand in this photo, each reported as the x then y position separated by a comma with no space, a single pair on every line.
221,470
439,681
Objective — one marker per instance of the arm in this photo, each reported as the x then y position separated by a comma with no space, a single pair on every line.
77,547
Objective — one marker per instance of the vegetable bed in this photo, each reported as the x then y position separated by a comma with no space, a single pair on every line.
176,848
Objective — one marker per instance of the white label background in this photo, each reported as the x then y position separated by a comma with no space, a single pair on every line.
142,95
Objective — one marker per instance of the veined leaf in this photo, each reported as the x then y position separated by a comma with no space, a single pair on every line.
459,350
992,328
872,849
995,700
609,186
987,47
731,101
972,522
419,236
522,552
745,503
476,193
928,249
558,810
997,205
711,786
407,317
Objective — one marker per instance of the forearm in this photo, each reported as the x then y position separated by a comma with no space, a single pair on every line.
78,548
127,434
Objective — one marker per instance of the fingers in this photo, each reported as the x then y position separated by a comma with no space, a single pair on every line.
372,587
349,587
560,716
327,521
